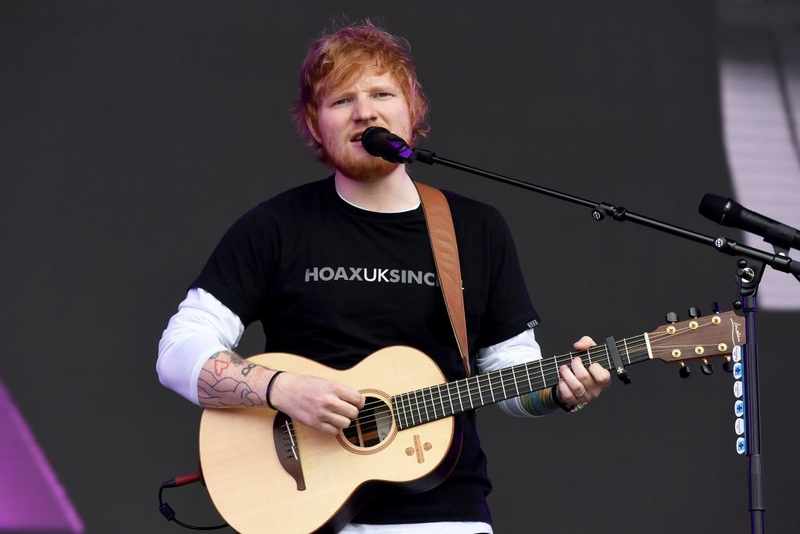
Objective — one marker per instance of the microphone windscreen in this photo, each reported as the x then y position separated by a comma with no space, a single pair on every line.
713,207
370,139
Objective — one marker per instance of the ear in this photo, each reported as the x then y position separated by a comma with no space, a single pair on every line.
313,130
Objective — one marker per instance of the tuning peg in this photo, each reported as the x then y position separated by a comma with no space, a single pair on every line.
728,365
694,313
706,368
716,308
685,371
672,317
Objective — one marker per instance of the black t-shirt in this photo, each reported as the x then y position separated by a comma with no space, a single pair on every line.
335,283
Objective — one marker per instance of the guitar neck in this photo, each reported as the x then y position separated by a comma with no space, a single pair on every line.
452,398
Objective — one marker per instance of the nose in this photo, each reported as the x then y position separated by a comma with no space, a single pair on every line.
363,109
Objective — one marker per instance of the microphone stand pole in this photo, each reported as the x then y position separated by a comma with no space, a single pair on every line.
749,278
748,287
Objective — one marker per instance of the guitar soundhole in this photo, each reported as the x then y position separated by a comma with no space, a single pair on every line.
373,425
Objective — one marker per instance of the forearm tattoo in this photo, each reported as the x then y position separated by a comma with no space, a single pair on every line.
221,389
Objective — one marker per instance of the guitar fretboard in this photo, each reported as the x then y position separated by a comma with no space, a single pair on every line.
443,400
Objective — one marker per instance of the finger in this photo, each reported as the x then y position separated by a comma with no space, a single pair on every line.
600,375
570,387
579,370
347,401
339,421
327,428
352,397
345,409
584,343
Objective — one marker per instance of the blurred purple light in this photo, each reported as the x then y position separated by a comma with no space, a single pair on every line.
31,497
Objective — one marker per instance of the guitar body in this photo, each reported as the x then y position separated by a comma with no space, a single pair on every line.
267,474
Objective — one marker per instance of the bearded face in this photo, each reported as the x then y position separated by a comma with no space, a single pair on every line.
368,100
355,165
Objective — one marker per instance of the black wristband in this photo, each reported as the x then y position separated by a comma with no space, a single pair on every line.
269,388
553,393
566,407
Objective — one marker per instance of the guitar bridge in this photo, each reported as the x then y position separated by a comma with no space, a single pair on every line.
287,449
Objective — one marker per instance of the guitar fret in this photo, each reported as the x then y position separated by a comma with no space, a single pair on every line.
416,403
425,416
450,398
398,410
480,390
420,406
401,410
528,378
441,400
514,376
627,352
407,412
469,394
502,382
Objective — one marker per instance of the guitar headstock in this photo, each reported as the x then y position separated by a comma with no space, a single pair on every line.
698,338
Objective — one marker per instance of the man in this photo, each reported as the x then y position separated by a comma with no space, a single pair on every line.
277,264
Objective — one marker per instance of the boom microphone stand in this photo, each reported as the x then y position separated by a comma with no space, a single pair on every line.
749,275
382,143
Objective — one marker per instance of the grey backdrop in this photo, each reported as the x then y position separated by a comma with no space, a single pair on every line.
134,133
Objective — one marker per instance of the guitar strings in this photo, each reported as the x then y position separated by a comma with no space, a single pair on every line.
546,371
426,410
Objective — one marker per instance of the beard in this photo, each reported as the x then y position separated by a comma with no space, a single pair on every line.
361,169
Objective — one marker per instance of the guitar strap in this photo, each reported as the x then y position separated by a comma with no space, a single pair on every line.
445,256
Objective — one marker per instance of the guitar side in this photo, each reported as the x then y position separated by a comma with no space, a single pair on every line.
255,493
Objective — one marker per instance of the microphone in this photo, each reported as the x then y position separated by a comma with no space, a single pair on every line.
729,213
382,143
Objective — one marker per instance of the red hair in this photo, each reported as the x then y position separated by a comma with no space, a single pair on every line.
337,58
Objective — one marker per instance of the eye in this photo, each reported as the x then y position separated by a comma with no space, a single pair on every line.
382,95
341,101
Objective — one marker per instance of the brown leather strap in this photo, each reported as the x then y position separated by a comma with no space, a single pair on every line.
445,255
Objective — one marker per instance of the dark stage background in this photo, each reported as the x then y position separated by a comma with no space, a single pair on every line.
134,133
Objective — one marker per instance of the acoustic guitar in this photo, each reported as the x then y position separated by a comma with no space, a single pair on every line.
265,473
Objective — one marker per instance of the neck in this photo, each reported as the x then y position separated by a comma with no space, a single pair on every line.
393,193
